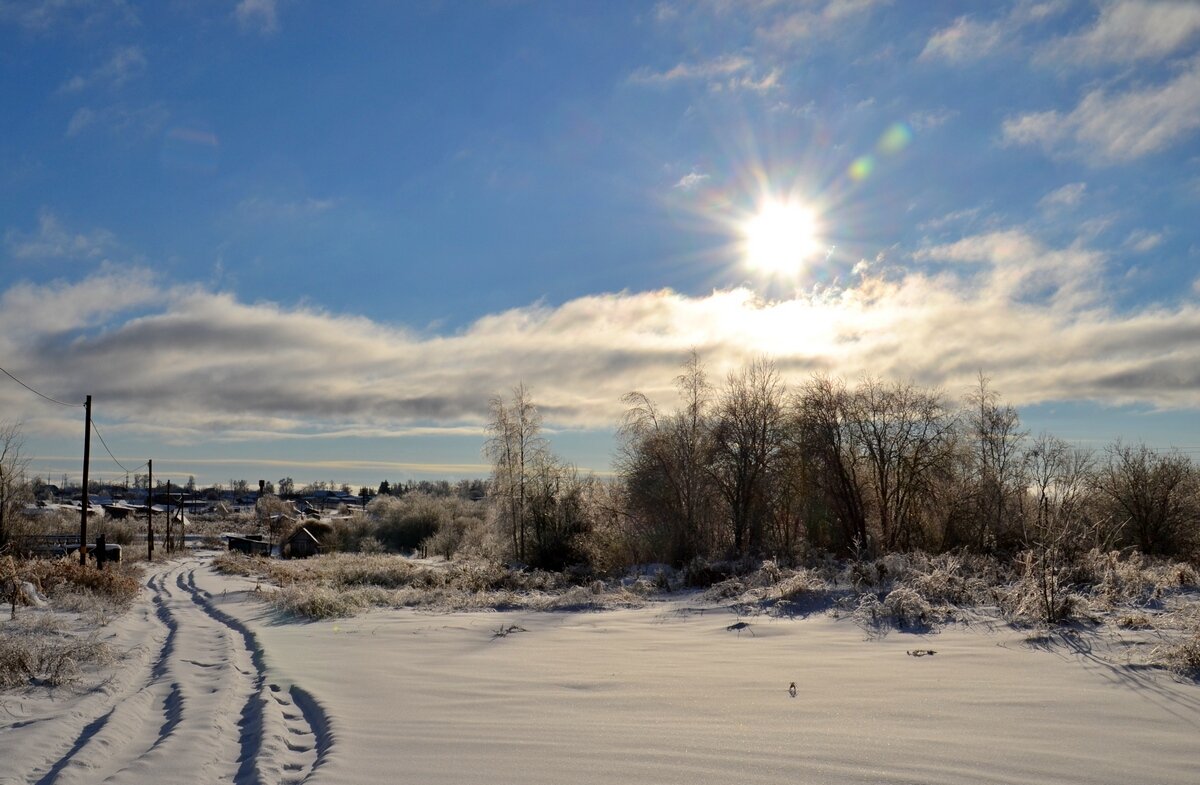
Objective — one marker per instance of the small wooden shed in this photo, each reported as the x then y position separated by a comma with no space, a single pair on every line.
309,539
253,545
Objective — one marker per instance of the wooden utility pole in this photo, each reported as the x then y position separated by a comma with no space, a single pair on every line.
149,509
167,542
87,454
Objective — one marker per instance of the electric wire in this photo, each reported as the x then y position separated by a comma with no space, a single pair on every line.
35,392
110,454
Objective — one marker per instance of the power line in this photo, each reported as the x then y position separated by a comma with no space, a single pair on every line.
110,455
47,397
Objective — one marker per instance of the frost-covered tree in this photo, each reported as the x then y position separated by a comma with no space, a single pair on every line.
14,490
748,436
996,465
518,453
1153,495
664,466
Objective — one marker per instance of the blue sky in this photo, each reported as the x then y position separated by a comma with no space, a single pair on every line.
278,237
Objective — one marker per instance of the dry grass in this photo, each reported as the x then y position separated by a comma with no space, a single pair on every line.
38,647
340,585
116,584
35,649
1134,620
913,591
1181,657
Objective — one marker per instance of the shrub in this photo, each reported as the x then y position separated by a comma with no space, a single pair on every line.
117,582
318,601
355,535
1134,621
40,653
906,609
234,563
1040,594
1181,657
402,524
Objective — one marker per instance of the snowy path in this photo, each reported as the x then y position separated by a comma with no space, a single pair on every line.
216,686
194,702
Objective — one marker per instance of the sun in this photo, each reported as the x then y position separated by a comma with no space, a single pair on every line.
780,238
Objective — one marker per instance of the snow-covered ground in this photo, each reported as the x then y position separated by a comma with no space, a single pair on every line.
215,687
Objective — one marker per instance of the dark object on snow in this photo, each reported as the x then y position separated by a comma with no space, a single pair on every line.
792,689
921,653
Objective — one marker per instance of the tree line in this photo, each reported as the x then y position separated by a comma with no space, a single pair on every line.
752,468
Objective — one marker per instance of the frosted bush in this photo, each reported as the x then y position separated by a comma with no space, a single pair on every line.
1181,657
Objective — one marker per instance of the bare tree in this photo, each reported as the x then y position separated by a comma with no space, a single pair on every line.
663,462
747,437
1155,493
793,500
904,432
996,463
558,513
14,490
275,515
821,413
1058,526
1059,476
517,452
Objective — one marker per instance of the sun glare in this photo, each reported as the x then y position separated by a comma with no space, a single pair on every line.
780,238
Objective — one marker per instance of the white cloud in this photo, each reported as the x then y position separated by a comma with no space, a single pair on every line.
1015,268
1129,31
1107,128
725,73
52,240
48,16
80,120
719,67
967,39
964,40
924,121
261,16
1142,241
665,12
120,119
29,313
1069,195
786,24
690,181
124,64
765,83
966,215
842,9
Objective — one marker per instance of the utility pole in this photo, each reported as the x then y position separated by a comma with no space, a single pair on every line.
87,453
167,542
150,509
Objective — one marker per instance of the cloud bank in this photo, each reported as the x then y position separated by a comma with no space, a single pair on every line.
185,360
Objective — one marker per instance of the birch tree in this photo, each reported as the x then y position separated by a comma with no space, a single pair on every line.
517,452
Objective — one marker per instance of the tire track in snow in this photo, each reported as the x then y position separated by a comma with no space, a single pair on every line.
290,725
89,724
206,669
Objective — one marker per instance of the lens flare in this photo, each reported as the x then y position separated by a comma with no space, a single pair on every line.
894,139
862,167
